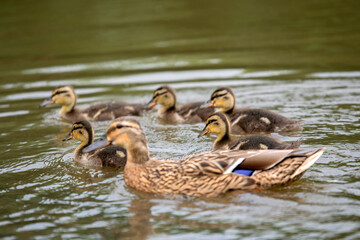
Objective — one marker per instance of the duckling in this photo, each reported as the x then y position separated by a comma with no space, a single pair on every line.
112,156
219,124
188,113
65,96
250,120
205,174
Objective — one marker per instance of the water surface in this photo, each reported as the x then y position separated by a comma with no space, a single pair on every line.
300,59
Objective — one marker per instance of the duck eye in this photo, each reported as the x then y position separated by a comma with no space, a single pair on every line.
119,126
59,92
211,121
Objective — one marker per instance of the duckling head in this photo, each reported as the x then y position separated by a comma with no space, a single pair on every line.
81,131
222,98
164,95
63,95
127,133
217,123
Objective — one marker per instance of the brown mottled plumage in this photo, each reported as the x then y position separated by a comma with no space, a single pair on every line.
188,113
219,124
111,156
205,174
250,120
65,96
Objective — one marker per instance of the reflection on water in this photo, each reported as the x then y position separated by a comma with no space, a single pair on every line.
301,60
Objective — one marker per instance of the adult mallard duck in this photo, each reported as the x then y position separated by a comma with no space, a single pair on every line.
219,124
188,113
206,174
112,156
65,96
250,120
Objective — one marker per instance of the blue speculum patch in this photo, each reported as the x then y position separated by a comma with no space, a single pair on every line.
245,172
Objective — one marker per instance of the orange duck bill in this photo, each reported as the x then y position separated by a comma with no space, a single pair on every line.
151,104
207,104
47,102
68,137
203,132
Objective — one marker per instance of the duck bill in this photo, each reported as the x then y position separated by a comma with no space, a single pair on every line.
68,137
47,102
151,104
204,132
207,104
101,143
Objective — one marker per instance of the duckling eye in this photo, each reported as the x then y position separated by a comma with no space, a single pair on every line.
160,93
59,92
211,121
119,126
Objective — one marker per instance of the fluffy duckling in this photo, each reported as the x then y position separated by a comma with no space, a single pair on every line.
65,96
219,124
188,113
250,120
112,156
206,174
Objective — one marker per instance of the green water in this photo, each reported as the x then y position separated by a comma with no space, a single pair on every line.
299,58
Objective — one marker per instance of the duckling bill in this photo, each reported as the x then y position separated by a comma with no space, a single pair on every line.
66,97
205,174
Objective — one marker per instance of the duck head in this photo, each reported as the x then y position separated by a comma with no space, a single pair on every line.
63,95
222,98
81,131
217,123
165,96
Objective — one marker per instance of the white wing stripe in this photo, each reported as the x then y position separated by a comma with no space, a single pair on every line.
234,165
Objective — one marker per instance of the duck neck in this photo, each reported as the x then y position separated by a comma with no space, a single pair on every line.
136,149
223,137
137,155
229,107
169,106
78,151
224,134
167,110
67,108
229,111
69,104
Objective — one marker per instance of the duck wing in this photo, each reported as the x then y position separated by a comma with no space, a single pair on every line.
261,120
262,142
111,110
112,156
225,161
192,110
